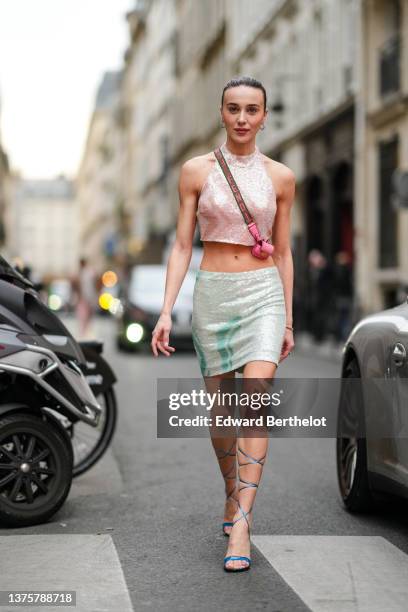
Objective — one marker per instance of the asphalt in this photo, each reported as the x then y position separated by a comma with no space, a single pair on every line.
160,501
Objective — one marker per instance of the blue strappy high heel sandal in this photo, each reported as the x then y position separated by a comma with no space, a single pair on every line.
244,514
227,476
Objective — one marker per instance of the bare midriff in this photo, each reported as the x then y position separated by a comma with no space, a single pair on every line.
229,257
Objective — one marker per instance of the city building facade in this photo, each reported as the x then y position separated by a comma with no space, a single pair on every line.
44,227
335,72
148,91
382,148
98,184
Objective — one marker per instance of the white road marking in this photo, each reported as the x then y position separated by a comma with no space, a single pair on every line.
87,564
340,573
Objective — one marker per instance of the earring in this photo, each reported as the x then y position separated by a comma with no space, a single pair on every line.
222,124
263,126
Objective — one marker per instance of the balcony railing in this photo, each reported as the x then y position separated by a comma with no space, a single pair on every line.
389,65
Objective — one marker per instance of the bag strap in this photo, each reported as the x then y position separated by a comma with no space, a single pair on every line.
234,187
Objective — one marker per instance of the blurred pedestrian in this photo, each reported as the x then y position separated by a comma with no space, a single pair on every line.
85,286
343,294
319,296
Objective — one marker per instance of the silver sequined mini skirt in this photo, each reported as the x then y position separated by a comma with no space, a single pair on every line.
237,317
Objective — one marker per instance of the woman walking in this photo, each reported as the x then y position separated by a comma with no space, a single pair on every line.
242,304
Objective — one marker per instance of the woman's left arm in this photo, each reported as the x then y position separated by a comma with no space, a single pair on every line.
281,238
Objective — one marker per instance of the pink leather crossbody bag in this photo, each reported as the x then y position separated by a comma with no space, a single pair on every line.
262,249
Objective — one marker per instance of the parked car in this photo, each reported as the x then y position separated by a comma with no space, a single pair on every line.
372,452
141,306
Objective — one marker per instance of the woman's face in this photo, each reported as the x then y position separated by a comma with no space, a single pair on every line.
243,109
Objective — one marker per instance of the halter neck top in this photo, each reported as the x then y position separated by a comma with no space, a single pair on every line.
218,215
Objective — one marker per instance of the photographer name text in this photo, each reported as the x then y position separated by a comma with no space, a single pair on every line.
260,421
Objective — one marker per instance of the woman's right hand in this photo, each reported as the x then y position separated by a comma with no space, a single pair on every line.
160,336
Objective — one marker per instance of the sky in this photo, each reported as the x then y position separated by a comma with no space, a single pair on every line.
53,54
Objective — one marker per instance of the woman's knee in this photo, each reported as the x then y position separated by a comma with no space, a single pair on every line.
260,369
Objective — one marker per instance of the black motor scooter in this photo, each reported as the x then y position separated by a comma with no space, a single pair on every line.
50,387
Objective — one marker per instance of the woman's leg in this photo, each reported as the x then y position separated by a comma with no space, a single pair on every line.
251,456
225,447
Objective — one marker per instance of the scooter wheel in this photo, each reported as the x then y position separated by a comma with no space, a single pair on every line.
90,444
35,469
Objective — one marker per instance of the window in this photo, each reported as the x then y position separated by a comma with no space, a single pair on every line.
388,237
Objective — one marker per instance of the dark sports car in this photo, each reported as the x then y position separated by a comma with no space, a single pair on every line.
372,427
141,306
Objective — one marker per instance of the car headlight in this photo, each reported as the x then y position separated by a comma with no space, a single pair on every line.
54,302
134,332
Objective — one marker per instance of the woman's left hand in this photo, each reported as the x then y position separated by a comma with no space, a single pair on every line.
287,344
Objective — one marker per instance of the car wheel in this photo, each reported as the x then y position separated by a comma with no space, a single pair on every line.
351,448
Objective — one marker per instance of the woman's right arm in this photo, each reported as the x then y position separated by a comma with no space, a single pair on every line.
180,255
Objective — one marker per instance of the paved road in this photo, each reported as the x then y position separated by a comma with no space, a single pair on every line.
142,530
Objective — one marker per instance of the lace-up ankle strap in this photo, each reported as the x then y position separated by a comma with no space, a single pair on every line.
260,461
244,515
224,453
247,485
231,473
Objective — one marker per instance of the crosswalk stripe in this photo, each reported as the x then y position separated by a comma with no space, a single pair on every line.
85,563
340,573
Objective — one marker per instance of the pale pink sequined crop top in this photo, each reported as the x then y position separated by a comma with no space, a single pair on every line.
218,215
